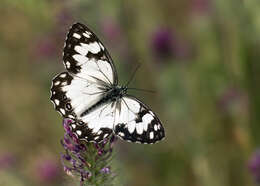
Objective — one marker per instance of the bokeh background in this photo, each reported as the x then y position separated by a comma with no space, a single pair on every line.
202,57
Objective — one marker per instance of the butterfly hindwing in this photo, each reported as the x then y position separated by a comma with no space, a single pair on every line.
137,123
97,124
128,118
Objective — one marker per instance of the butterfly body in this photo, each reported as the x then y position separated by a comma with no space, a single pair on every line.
113,94
89,94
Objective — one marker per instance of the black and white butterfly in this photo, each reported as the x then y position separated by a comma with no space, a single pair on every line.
89,94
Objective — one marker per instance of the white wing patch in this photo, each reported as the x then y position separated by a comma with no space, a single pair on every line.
84,49
76,36
87,34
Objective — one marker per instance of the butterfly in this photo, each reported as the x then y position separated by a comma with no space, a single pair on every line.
88,93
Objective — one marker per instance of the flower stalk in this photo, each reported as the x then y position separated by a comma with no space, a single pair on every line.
90,162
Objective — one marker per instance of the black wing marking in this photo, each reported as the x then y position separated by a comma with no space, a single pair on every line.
83,132
61,102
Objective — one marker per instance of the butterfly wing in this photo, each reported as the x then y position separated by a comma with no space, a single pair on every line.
137,123
85,56
91,73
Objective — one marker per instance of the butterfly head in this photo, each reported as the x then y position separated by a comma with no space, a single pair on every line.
120,91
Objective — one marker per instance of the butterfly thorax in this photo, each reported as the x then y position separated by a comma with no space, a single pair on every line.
116,92
112,95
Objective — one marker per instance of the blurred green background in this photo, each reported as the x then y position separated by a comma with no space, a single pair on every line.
200,56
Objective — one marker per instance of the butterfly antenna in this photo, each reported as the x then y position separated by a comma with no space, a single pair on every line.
129,81
143,90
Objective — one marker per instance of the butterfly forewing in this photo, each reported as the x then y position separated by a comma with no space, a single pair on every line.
90,73
85,56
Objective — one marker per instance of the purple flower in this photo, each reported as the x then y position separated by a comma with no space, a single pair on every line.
105,170
254,166
165,44
162,43
47,170
7,160
88,161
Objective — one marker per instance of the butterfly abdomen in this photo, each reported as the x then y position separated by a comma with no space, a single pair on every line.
94,107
